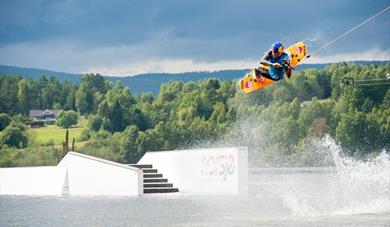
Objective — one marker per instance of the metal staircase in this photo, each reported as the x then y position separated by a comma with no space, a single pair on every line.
154,181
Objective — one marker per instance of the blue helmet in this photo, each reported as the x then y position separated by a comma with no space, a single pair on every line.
277,47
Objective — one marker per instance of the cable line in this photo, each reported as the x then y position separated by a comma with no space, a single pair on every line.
347,32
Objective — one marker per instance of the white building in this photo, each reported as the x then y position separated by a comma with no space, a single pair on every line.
204,171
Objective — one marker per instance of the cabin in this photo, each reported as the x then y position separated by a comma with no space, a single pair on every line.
47,116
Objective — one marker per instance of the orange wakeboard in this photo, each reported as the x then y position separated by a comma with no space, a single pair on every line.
296,53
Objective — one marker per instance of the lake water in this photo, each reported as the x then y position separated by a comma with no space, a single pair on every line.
277,197
353,193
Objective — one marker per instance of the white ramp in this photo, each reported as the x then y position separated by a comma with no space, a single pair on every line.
48,180
203,171
89,175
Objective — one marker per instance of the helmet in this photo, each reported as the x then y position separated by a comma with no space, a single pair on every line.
277,47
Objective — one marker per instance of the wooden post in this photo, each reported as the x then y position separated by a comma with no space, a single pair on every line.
73,144
67,141
60,156
65,145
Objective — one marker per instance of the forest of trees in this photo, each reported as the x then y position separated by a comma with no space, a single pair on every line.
211,112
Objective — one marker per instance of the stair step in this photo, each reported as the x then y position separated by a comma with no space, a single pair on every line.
149,170
162,185
160,190
155,180
152,175
141,166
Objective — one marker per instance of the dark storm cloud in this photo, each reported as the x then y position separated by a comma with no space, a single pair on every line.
204,31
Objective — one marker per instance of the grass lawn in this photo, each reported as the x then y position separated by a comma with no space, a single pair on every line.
56,134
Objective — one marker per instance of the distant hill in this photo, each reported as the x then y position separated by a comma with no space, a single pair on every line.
149,82
36,73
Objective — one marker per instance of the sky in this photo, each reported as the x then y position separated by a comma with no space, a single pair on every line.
128,37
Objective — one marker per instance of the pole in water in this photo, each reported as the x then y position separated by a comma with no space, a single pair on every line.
349,81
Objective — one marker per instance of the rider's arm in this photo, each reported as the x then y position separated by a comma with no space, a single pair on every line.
288,68
289,72
265,59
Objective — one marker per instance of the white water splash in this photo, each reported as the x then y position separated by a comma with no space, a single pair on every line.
363,186
352,187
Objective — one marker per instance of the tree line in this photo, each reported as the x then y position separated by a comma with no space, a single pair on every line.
280,119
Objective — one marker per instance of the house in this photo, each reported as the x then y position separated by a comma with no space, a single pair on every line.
48,116
35,124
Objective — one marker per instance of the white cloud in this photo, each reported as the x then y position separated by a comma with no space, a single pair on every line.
186,65
121,60
169,66
124,60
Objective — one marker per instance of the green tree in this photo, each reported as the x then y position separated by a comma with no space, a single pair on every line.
103,109
5,120
95,122
18,124
116,117
281,94
51,93
23,97
84,100
70,103
19,118
146,98
13,137
90,93
129,145
66,119
351,131
8,95
107,125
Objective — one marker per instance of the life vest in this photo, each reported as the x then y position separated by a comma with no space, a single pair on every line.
275,73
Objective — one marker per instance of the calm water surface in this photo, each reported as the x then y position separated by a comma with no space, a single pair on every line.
277,197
